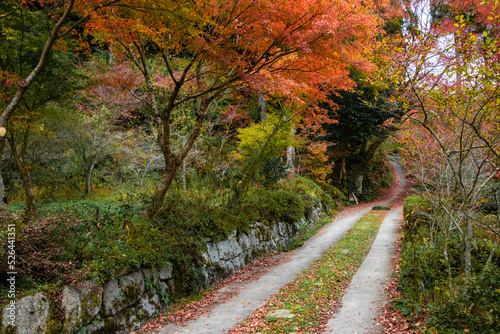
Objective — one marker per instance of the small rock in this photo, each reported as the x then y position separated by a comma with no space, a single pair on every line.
282,313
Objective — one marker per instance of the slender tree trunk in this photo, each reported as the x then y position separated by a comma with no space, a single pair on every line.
290,155
343,171
146,171
161,190
448,267
3,199
3,195
174,161
468,248
88,177
31,205
262,107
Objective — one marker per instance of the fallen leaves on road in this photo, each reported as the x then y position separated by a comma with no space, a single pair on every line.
392,320
315,295
183,312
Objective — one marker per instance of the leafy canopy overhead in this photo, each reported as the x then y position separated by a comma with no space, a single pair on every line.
287,48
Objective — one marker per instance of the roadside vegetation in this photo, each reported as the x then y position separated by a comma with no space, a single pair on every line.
432,278
447,70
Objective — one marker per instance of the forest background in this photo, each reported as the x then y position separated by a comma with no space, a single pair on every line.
127,125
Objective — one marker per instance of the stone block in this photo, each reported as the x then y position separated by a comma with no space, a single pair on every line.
206,258
237,265
32,314
254,240
227,268
228,249
213,253
80,305
274,231
244,241
282,229
148,305
166,272
123,292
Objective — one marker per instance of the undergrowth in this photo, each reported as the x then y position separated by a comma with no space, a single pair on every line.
473,305
102,239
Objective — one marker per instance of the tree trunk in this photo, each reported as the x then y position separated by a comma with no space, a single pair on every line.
3,199
31,205
172,160
161,190
262,107
448,266
468,235
88,176
343,171
290,155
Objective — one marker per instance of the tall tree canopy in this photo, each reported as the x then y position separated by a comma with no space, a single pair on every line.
297,50
26,51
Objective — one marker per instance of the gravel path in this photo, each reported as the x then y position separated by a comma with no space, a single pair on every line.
253,294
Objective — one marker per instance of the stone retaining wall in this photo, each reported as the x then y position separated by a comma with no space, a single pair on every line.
123,304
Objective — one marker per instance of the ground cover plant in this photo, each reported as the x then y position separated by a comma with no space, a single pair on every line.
103,239
425,280
316,292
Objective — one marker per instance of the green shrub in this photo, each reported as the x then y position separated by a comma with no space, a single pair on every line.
412,204
313,194
413,207
334,193
197,217
274,205
477,311
381,207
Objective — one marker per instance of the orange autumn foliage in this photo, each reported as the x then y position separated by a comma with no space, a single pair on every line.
295,51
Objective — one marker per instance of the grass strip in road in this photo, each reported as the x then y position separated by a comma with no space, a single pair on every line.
306,304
